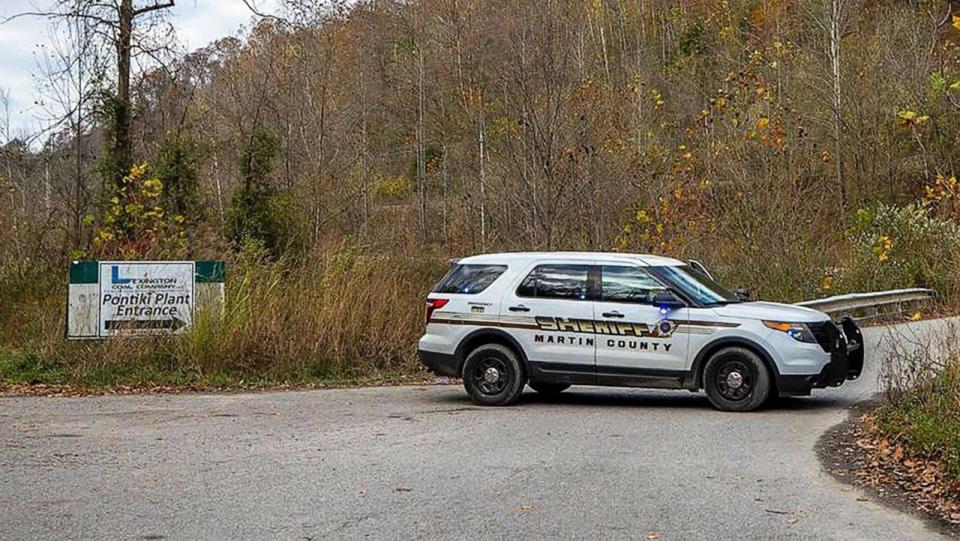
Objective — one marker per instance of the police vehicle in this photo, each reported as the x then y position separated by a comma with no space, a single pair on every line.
552,320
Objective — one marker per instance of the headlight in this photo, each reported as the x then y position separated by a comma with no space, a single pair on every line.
798,331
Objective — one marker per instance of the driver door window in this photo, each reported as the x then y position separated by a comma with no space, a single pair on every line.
628,284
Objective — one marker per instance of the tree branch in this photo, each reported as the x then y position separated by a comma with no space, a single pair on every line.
253,9
154,7
55,15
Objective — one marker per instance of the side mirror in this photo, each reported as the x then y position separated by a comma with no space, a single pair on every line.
743,294
666,298
697,265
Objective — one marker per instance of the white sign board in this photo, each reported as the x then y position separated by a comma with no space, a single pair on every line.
139,299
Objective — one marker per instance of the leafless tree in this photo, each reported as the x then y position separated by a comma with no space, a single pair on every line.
130,30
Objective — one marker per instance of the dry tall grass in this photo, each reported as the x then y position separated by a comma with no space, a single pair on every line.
333,315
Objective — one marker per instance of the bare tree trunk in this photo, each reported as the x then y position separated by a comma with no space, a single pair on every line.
46,185
364,173
216,178
421,152
122,149
836,35
481,128
78,180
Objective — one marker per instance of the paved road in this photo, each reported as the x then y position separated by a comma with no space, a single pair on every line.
399,463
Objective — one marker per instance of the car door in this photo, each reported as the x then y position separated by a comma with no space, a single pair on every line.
550,312
638,344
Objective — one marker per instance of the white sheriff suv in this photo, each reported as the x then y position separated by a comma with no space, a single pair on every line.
552,320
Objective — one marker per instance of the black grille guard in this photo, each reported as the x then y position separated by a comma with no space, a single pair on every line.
846,353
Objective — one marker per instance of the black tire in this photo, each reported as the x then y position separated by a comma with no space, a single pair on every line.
493,376
736,379
548,389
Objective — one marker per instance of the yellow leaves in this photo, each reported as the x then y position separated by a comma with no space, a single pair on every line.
956,22
942,193
657,98
955,87
105,235
827,283
502,125
152,187
909,118
391,187
134,223
138,170
882,248
762,123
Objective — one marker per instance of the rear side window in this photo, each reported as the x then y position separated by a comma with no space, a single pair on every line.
469,279
556,282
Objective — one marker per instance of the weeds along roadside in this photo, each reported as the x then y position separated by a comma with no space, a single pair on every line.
921,410
339,315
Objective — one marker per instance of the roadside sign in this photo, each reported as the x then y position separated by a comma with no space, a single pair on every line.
138,298
145,298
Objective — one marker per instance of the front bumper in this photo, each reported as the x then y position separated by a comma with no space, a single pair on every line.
844,342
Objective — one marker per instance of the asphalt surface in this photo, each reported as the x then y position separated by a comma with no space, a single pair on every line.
423,462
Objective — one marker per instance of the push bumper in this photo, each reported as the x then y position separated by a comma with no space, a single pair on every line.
441,364
844,342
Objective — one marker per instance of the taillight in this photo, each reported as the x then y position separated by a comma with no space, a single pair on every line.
433,304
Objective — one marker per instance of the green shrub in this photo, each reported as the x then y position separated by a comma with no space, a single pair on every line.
903,247
927,417
259,211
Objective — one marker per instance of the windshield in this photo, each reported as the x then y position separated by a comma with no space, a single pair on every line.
694,284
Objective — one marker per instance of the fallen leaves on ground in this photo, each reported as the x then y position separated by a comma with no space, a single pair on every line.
47,390
886,463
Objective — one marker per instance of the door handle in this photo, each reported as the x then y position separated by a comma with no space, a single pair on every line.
612,314
519,308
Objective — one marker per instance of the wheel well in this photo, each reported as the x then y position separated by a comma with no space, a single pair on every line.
481,338
705,355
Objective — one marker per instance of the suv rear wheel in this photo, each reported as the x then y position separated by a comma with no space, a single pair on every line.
736,379
493,376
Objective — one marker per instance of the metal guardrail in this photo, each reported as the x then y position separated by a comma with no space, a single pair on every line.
868,305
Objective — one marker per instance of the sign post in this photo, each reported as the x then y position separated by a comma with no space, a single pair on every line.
139,298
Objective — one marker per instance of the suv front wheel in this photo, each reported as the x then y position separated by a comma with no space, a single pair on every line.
736,379
493,376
